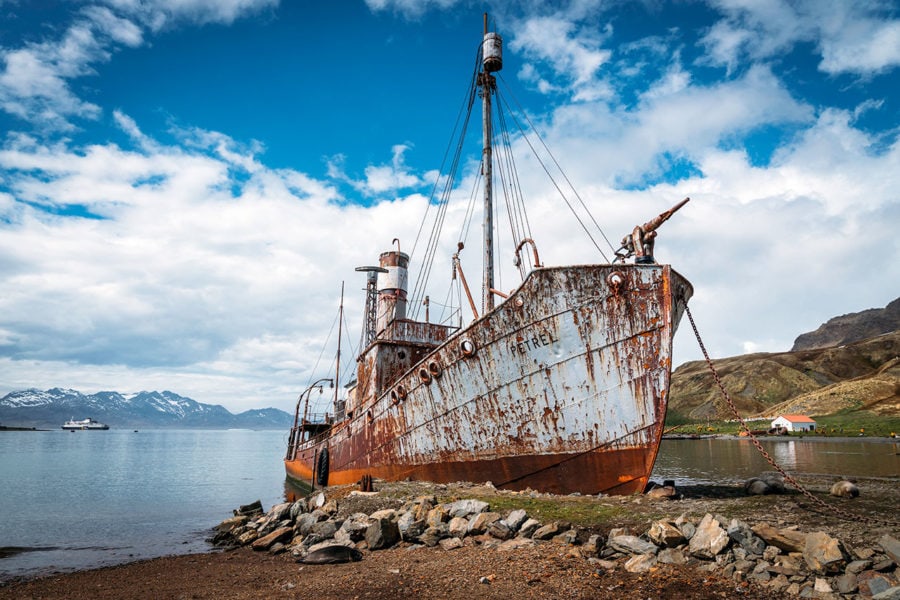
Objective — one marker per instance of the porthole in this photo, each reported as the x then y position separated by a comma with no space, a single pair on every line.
370,416
424,376
401,392
467,347
435,370
395,398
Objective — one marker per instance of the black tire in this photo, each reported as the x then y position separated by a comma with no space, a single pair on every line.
322,467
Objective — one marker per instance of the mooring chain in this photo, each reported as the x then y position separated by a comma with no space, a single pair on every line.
818,501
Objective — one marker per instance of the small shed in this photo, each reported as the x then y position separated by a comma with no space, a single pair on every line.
794,423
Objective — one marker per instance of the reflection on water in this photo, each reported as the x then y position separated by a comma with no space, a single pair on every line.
731,460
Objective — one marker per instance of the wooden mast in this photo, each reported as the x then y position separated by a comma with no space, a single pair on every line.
487,83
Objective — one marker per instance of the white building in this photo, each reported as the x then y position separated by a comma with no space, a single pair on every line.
794,423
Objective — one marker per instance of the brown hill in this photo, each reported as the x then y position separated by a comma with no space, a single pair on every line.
850,328
864,375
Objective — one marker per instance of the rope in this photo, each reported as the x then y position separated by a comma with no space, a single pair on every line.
793,482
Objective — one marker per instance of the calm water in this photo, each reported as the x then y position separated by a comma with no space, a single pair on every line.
89,498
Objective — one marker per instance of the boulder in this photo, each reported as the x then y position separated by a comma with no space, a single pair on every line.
709,539
515,519
788,540
450,543
481,521
629,544
671,556
640,563
823,554
665,534
529,527
432,535
232,523
458,527
281,534
549,531
891,547
500,530
410,526
437,515
465,508
382,533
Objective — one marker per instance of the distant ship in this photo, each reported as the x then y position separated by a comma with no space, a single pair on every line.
73,425
560,386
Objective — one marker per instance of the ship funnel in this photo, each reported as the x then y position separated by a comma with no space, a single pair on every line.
392,287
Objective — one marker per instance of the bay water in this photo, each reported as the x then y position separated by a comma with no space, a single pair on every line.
75,500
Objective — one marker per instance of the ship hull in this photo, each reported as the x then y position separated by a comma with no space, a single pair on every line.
563,388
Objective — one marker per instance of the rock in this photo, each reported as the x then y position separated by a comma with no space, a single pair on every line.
845,489
324,529
254,509
515,519
787,540
665,492
352,530
382,533
451,543
437,515
592,546
822,586
741,534
331,554
280,512
500,530
889,594
823,554
297,508
465,508
709,540
883,565
640,563
846,583
387,513
857,566
529,527
247,537
891,547
548,531
629,544
481,521
458,527
431,536
872,583
410,526
232,523
665,534
671,556
281,534
317,501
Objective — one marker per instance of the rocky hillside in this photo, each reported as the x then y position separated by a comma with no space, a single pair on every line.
843,376
854,327
51,408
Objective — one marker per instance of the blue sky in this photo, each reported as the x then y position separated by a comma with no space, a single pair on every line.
185,184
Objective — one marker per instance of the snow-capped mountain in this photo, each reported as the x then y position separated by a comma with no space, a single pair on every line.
51,408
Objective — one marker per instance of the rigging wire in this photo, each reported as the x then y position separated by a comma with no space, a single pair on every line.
563,173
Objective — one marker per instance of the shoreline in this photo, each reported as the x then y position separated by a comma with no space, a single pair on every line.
544,570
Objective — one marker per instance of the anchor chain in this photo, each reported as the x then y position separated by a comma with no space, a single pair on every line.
793,482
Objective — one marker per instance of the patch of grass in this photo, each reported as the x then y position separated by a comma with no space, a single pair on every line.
583,511
843,423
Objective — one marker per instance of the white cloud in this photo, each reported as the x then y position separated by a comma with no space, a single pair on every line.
411,9
852,37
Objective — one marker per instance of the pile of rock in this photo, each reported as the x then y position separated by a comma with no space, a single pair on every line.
810,565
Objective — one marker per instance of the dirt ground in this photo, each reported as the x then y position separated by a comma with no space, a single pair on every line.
547,570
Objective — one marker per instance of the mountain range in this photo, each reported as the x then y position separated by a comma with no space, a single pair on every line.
51,408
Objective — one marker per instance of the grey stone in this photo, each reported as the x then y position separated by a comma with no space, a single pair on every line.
385,513
872,583
325,529
297,508
709,540
891,547
437,515
499,530
515,519
629,544
410,526
431,536
279,535
549,531
846,583
888,594
592,546
529,527
858,566
382,533
823,554
787,540
516,543
465,508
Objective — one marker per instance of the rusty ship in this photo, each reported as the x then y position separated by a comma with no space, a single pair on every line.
560,385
